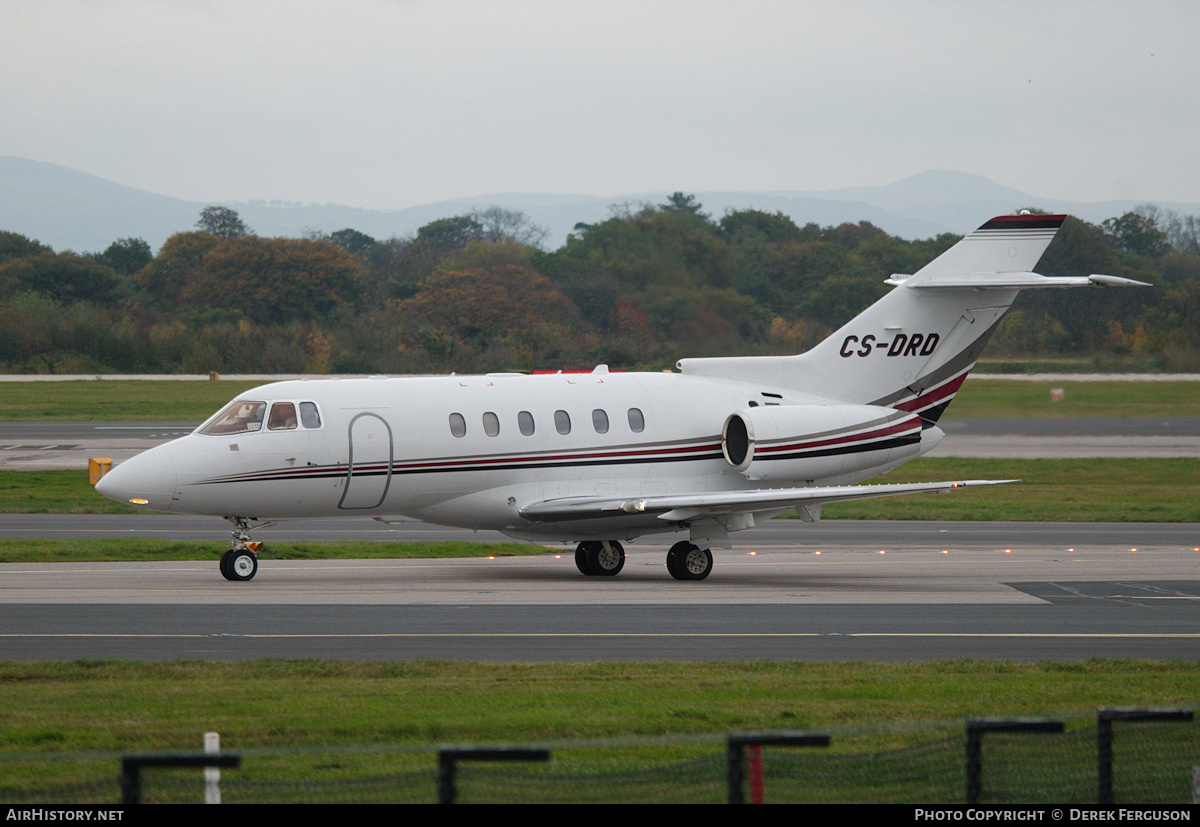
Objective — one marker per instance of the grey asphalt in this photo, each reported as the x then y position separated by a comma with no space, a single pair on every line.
835,591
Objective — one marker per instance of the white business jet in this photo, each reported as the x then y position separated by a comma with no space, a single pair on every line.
596,458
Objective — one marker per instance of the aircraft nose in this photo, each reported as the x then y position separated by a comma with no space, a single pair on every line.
144,481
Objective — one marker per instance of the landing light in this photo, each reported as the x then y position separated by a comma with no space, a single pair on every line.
139,501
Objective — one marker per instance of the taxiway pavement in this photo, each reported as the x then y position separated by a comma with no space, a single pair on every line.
834,591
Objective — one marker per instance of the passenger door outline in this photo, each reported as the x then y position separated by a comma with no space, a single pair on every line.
368,493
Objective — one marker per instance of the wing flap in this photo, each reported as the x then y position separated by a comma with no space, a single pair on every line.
684,507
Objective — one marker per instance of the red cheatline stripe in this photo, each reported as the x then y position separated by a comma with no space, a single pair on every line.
934,396
909,424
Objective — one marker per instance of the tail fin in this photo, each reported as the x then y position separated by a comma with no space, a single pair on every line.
913,348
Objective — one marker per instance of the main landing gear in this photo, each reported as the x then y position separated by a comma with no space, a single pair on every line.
603,558
685,561
241,561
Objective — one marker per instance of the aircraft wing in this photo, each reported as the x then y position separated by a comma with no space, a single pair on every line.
682,507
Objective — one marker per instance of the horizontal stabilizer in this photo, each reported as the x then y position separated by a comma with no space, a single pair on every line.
683,507
1014,281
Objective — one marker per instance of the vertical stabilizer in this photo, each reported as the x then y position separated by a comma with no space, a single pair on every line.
913,348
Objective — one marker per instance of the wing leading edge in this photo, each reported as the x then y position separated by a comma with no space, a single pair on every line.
687,507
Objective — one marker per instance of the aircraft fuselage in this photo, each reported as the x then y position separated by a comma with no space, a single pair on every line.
472,451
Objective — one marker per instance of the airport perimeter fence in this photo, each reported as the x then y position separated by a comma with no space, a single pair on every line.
1151,760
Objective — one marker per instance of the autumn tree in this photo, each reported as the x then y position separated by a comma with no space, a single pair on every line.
222,222
63,277
498,224
126,255
178,260
275,279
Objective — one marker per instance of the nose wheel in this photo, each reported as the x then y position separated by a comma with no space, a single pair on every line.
239,564
241,561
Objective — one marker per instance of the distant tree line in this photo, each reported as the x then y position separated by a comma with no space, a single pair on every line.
475,292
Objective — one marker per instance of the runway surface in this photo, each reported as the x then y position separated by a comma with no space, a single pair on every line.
789,591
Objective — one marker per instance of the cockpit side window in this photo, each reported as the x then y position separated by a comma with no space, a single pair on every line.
239,417
283,417
310,417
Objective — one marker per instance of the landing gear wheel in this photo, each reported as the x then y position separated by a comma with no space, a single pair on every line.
675,559
606,559
239,564
697,564
686,561
241,561
597,558
581,558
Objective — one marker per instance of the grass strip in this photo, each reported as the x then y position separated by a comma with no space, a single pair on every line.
1029,399
111,705
129,400
144,549
1050,490
117,400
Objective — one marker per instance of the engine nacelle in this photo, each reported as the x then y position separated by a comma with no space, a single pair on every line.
808,442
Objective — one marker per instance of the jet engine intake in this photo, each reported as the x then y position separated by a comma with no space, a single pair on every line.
808,442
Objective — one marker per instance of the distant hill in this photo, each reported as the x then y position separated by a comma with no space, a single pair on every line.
71,210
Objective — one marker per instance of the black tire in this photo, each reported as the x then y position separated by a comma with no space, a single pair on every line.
696,564
225,564
675,559
242,565
581,558
606,562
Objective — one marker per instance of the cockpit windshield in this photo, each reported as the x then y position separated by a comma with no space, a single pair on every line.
241,416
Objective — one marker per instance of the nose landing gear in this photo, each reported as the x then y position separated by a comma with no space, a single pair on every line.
241,561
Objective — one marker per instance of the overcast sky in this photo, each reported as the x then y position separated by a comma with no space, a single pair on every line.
393,103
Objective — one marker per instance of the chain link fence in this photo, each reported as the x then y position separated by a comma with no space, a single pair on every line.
1153,762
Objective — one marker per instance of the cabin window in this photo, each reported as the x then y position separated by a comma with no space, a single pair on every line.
239,417
562,422
491,424
310,417
458,425
600,421
525,423
283,417
637,422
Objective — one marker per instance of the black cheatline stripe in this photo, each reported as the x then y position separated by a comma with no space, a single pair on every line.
877,429
896,442
269,476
